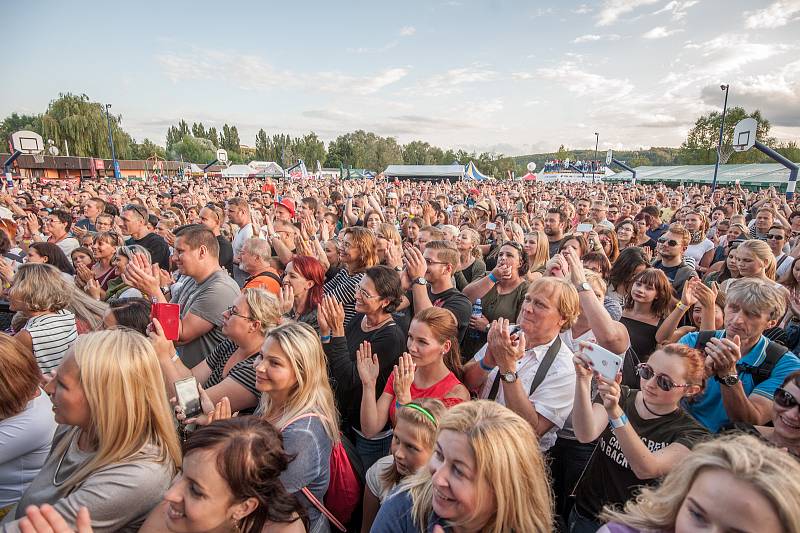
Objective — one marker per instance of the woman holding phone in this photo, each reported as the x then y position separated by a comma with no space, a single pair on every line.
642,434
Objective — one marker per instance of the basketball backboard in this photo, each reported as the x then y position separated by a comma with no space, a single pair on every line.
27,142
609,156
744,134
222,155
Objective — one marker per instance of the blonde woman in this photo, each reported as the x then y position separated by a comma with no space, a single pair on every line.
486,474
728,484
40,293
538,251
471,262
754,259
116,450
389,245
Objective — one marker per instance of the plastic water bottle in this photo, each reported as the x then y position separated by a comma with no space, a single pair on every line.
477,310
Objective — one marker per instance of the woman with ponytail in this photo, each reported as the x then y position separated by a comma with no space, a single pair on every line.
431,368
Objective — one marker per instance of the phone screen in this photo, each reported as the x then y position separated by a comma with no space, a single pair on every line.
188,396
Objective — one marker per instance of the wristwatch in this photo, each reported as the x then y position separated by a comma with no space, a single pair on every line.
584,287
421,281
728,381
508,377
398,268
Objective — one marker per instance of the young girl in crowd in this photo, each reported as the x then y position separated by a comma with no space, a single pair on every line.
727,484
646,306
412,445
430,369
537,250
643,434
486,474
471,265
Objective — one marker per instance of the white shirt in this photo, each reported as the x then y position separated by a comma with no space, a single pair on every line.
242,235
696,251
553,398
784,267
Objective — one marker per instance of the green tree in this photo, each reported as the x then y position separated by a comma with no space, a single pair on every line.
700,146
147,149
262,146
15,122
192,149
198,130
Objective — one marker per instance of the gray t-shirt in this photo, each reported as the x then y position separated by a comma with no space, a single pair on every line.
207,300
118,496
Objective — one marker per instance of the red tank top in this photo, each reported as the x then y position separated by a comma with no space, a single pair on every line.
438,390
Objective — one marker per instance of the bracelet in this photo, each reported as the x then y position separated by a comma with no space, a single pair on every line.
617,423
492,277
175,357
682,306
397,405
484,365
325,338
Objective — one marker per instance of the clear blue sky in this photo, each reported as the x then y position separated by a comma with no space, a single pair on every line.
509,76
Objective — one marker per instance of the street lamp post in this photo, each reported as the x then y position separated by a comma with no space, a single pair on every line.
111,143
719,143
596,143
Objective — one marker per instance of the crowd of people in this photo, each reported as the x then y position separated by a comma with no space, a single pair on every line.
398,357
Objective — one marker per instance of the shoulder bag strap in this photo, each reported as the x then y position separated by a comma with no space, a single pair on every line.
541,372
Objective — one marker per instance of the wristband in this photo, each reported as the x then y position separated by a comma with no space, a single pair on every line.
484,365
682,306
175,357
492,277
617,423
325,338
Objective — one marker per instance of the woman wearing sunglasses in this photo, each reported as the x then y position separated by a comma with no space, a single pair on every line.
642,434
785,430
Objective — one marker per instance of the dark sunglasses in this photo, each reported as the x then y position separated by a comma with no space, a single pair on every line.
772,237
668,242
663,381
784,399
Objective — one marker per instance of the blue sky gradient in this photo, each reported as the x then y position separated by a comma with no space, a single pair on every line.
508,76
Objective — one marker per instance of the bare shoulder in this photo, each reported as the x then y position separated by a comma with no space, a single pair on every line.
284,527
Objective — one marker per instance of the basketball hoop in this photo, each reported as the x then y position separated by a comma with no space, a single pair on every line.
725,153
38,158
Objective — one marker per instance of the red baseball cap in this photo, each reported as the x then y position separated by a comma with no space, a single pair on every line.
286,203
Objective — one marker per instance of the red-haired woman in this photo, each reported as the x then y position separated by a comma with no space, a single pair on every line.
302,290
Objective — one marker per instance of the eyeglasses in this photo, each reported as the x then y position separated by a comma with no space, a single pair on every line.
430,262
365,294
663,381
772,237
784,399
668,242
233,312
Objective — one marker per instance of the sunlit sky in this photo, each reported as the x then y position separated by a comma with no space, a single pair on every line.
513,77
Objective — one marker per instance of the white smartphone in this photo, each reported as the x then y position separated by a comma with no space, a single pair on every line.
491,226
606,363
188,396
584,228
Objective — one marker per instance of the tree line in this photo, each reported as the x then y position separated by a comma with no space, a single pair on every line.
78,126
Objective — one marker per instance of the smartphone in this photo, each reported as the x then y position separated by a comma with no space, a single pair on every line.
169,317
491,226
188,396
607,364
584,228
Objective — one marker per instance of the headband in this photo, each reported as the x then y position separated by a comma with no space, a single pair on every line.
422,410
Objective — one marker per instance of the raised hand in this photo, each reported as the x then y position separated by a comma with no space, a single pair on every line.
403,378
609,391
46,519
367,364
93,289
163,347
286,299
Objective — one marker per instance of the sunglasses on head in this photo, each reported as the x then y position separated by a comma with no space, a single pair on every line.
784,399
668,242
663,381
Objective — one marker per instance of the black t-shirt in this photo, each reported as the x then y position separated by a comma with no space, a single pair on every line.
454,301
225,254
554,246
156,245
608,479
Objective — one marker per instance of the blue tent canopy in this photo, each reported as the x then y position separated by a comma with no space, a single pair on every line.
471,172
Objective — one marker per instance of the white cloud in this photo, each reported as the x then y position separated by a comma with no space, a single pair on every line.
522,76
582,9
591,37
728,53
659,32
576,79
338,82
408,31
775,15
451,81
677,8
613,9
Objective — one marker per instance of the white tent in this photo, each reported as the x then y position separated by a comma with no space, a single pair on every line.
238,171
266,168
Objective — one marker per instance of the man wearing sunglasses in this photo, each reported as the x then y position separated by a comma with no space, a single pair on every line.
776,239
670,249
745,367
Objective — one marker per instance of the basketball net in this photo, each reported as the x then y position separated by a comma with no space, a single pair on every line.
725,152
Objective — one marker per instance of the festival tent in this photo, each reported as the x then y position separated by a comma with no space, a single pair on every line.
238,171
425,172
529,177
748,175
471,172
266,169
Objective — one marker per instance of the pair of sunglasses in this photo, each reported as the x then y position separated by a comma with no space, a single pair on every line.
669,242
663,381
784,399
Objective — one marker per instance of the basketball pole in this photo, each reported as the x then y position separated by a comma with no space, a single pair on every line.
792,166
719,143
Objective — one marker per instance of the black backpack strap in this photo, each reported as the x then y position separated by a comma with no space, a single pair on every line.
541,372
271,275
774,352
702,339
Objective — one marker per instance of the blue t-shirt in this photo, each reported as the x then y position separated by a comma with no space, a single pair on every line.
395,516
708,408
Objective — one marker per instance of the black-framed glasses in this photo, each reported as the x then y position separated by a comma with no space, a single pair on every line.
784,399
232,311
663,381
432,262
773,237
668,242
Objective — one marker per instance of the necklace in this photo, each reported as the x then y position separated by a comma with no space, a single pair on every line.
370,327
58,466
653,412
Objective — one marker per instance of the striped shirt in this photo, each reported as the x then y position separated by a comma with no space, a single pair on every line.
242,372
343,287
52,335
